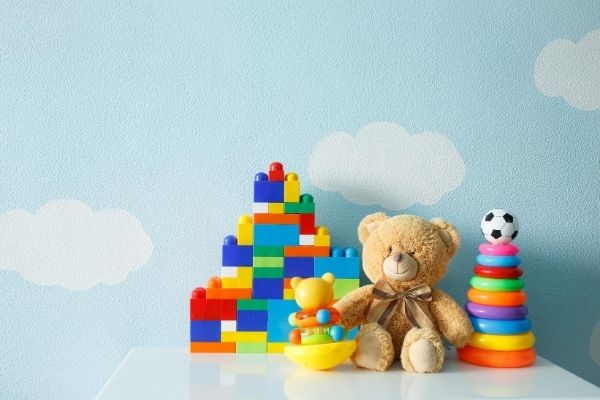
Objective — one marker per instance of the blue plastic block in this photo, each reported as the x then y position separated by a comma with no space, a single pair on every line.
298,266
276,235
340,267
234,255
265,191
205,331
279,310
267,288
278,331
251,320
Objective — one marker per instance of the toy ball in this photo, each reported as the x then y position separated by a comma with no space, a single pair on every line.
499,226
337,333
295,337
323,316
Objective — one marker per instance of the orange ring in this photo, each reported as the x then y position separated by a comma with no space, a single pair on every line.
497,359
502,299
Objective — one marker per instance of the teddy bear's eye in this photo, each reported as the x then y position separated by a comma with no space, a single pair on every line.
390,250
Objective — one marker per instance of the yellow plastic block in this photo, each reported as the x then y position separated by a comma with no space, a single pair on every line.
275,208
276,347
250,337
229,283
322,240
288,294
244,277
244,230
291,188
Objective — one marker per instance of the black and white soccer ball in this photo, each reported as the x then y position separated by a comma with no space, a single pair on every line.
499,226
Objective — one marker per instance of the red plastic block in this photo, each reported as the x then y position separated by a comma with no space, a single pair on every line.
197,309
307,224
276,172
229,309
213,309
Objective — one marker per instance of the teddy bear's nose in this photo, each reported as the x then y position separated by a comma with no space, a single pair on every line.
397,257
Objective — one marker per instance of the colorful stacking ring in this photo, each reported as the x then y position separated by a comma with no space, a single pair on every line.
521,341
500,285
492,312
501,273
507,249
499,327
498,261
501,299
497,359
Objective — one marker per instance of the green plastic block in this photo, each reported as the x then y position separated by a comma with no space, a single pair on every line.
342,287
268,251
242,347
268,272
268,262
299,208
247,304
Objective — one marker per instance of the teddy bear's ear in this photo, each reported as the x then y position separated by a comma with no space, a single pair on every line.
369,224
328,277
449,235
295,281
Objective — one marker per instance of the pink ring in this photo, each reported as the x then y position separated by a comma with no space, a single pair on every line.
507,249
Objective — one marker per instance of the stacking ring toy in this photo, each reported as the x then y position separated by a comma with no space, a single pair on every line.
493,272
499,327
507,249
498,261
497,359
521,341
491,312
501,285
501,299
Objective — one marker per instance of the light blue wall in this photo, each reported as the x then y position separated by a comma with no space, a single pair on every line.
167,109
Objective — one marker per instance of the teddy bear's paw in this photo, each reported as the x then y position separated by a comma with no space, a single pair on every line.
375,349
422,351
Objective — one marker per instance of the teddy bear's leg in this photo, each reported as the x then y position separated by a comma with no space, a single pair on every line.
375,349
422,351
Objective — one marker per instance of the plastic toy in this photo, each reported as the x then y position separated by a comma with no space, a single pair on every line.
253,297
503,336
316,340
499,226
498,359
503,285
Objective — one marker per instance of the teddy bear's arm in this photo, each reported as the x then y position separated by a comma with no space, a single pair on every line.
354,306
451,319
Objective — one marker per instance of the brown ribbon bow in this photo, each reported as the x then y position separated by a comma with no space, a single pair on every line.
387,300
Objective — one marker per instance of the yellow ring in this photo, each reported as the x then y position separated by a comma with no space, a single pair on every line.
503,342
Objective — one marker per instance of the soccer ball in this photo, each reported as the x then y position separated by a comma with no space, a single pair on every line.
499,226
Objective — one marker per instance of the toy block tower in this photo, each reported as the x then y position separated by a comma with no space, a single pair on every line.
247,308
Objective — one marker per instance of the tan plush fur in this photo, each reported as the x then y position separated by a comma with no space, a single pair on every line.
431,244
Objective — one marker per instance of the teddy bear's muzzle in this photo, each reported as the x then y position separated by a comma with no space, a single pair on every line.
400,266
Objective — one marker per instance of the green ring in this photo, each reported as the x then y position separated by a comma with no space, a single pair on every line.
498,285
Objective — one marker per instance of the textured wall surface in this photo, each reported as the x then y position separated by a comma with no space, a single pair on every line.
154,116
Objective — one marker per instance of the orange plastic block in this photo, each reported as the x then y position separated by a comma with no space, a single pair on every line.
285,219
287,283
228,293
212,347
306,251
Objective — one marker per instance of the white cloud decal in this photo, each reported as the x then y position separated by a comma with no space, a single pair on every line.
384,164
66,243
595,343
571,70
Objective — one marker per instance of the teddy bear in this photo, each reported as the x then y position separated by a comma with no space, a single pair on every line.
402,314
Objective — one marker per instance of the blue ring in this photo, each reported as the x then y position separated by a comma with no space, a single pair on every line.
498,261
501,327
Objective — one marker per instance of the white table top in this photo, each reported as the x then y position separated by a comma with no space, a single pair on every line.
173,373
